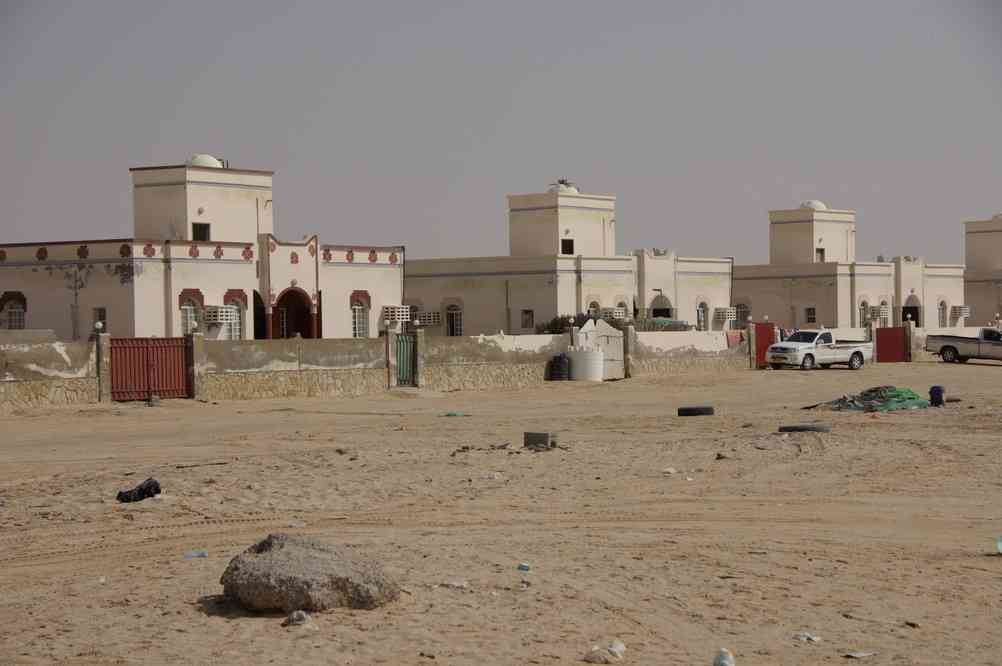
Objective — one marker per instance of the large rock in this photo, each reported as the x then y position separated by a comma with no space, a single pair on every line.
287,572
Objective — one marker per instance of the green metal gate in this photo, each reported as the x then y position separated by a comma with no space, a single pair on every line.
406,360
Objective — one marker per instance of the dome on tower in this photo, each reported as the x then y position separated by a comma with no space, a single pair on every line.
205,160
814,204
564,186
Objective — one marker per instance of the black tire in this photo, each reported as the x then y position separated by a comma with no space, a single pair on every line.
696,411
949,355
807,363
962,360
856,361
776,366
806,427
825,366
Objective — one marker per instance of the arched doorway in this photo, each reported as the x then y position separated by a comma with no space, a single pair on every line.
661,307
703,317
912,311
292,315
260,324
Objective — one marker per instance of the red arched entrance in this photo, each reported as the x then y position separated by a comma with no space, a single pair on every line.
292,315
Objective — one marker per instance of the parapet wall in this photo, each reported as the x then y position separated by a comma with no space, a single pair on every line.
486,362
671,353
47,373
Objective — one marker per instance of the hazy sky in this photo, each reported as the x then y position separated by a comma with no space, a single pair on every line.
409,122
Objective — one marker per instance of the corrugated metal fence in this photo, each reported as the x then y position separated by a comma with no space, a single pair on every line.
145,367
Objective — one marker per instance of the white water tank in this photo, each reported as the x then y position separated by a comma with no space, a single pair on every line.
587,365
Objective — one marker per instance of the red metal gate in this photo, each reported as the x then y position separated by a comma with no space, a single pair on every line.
146,367
892,345
765,335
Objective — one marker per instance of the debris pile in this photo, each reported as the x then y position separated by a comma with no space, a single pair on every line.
877,399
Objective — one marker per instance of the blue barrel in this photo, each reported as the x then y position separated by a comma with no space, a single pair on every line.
937,396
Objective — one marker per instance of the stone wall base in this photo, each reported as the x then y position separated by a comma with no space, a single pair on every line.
47,392
293,384
478,376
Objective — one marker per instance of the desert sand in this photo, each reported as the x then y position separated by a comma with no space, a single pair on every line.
876,537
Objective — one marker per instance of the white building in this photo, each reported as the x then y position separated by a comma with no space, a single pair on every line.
204,256
983,279
562,262
813,278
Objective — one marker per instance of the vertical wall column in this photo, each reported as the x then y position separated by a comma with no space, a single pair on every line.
629,344
103,342
269,323
420,345
391,359
196,363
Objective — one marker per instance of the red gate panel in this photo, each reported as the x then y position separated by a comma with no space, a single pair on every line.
144,367
765,335
892,345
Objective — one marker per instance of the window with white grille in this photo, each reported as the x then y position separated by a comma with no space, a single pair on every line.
14,316
742,312
811,315
228,319
703,317
191,318
283,323
359,321
453,321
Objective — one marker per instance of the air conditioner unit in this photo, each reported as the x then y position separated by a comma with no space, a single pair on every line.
959,311
613,313
725,314
396,313
218,315
880,311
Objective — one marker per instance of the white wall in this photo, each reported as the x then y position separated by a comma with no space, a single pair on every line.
338,279
666,341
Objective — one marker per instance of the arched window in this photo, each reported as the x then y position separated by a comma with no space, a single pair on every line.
594,309
944,315
743,313
191,317
454,321
359,319
864,314
13,316
702,317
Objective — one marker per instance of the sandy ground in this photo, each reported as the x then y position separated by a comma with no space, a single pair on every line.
876,537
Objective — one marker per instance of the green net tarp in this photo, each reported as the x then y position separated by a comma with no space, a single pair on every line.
880,399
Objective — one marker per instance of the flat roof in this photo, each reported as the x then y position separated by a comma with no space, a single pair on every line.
201,168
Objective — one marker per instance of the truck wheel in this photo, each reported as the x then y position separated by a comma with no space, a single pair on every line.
949,355
856,361
825,366
808,362
776,366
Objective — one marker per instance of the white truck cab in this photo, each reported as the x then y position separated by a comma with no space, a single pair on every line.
809,349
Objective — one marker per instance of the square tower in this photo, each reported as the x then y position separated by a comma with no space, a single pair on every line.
812,234
562,221
202,200
983,244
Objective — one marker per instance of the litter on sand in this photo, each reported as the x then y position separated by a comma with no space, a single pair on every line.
148,488
455,414
876,399
859,655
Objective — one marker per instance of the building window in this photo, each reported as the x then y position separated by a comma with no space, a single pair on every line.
944,315
200,232
14,316
191,317
528,319
594,309
283,323
864,313
359,320
567,246
885,314
702,317
453,321
811,315
819,255
100,315
743,313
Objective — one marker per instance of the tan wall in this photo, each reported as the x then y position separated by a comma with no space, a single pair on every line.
52,286
795,235
983,245
211,276
784,293
235,204
338,279
448,364
47,393
295,384
537,222
48,373
659,354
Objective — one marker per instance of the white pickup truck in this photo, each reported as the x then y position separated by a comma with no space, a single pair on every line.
810,349
957,349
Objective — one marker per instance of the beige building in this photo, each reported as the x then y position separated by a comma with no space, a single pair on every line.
205,257
983,279
562,261
813,278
